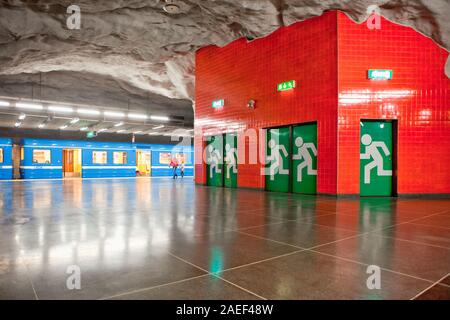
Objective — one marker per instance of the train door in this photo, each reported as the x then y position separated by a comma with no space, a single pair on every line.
230,160
143,162
17,155
214,161
304,158
376,158
277,170
71,163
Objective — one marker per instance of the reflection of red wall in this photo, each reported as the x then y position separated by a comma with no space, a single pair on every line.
305,52
311,52
418,96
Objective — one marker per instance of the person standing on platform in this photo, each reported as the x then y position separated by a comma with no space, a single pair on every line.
182,169
174,165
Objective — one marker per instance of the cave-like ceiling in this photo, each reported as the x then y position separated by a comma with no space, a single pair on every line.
134,55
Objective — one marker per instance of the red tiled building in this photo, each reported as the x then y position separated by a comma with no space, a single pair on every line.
329,57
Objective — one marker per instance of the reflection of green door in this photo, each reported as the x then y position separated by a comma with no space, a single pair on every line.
376,158
277,167
304,155
214,161
230,160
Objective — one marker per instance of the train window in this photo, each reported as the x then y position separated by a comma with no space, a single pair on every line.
120,157
99,157
41,156
1,155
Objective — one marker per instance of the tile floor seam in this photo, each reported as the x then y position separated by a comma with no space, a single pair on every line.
36,297
215,275
366,264
428,288
429,225
263,260
272,240
152,287
412,241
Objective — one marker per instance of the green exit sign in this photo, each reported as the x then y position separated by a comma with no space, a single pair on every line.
379,74
288,85
91,134
218,103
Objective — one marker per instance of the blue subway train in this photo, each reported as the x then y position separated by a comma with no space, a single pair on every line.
56,159
6,165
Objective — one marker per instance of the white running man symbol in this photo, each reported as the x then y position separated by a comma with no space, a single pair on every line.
304,154
373,152
230,159
213,160
276,157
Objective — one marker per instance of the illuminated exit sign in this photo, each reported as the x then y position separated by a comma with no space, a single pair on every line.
91,134
379,74
218,103
288,85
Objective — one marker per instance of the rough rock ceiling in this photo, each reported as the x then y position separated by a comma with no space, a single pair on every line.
131,52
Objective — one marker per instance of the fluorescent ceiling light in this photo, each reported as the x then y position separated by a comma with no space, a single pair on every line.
137,116
114,114
137,132
74,120
33,106
4,103
153,133
121,131
190,130
17,124
160,118
84,129
22,116
118,124
60,109
88,111
101,130
41,125
63,127
158,127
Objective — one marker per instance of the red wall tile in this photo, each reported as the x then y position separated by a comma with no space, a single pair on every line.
312,52
417,96
305,52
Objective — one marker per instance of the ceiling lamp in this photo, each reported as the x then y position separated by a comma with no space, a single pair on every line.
33,106
159,118
22,116
61,109
4,103
74,120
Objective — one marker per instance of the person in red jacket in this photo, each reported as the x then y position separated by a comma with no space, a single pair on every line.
174,165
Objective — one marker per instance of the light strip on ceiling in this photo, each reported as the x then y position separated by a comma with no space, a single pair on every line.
159,118
137,116
114,114
61,109
88,112
31,106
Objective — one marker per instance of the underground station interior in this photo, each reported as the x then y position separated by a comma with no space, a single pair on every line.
224,150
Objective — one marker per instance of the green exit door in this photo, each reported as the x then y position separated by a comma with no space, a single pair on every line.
230,161
277,166
376,158
214,161
304,159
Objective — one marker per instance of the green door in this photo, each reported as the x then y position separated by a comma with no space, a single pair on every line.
230,161
214,161
376,158
304,159
277,167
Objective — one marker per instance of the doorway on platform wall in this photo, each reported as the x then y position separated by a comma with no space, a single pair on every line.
72,163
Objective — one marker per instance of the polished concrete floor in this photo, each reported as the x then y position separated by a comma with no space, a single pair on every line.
163,239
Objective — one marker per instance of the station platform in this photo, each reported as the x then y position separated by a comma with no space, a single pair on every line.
172,239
